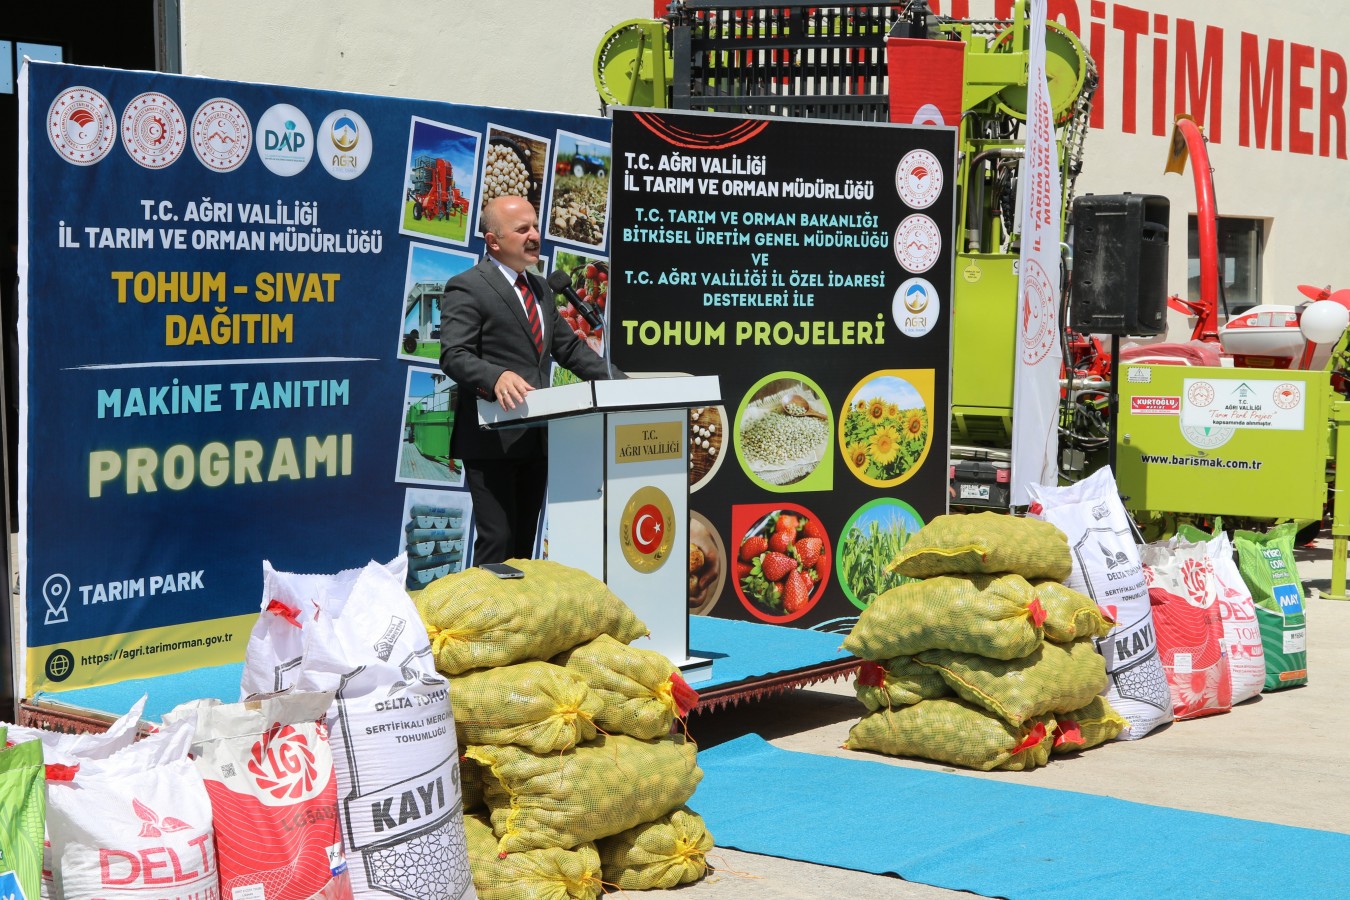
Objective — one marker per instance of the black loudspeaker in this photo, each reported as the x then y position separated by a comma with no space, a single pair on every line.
1119,283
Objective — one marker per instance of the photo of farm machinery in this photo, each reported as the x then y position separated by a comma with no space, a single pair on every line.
433,194
865,63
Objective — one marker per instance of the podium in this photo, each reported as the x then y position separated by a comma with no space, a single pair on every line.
618,491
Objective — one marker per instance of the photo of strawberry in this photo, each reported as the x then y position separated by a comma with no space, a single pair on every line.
783,563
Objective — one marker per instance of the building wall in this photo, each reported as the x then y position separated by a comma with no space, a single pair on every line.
1270,88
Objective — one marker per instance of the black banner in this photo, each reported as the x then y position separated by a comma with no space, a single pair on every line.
809,265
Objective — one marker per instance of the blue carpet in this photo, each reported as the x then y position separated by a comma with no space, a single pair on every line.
998,839
740,651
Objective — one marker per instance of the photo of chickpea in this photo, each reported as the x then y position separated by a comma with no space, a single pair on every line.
784,430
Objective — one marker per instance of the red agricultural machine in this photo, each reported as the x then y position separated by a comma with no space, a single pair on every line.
433,193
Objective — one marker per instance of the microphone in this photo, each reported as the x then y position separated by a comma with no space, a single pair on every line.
561,283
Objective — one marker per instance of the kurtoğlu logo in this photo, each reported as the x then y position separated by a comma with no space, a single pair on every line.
60,664
285,140
915,307
347,144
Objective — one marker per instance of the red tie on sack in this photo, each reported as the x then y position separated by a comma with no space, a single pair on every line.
531,312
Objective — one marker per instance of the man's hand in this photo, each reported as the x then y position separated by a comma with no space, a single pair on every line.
511,389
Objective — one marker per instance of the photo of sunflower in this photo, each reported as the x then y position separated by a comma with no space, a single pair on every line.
885,431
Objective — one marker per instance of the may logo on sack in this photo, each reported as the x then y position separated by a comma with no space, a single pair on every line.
1287,595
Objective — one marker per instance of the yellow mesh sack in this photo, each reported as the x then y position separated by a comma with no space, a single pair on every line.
537,705
953,731
596,790
1070,615
661,854
897,682
477,621
1053,678
551,874
992,615
634,686
986,542
470,783
1094,724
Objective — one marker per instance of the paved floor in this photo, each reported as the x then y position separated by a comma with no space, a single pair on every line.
1279,757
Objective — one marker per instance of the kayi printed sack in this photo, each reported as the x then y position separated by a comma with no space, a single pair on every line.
1106,568
391,726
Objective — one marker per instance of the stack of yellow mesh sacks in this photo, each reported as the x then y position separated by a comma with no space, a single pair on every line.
571,776
987,661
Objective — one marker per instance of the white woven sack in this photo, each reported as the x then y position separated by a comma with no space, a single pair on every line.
1241,632
1106,568
391,727
62,752
135,825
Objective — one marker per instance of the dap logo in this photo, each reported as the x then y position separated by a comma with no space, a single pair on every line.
346,144
285,140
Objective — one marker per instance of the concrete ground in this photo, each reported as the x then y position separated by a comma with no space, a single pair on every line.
1280,757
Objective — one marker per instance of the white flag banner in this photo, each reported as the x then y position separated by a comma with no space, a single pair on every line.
1036,378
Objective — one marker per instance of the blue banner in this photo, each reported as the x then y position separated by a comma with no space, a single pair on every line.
229,343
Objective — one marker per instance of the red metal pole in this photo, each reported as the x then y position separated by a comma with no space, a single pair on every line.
1206,213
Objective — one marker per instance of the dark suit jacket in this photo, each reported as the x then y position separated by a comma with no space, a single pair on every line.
484,332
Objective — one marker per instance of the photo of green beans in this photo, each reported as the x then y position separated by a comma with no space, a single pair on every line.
871,539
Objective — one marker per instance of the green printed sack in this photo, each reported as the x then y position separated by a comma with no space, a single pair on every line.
1083,728
598,789
897,682
954,731
670,851
477,621
550,874
1053,678
1266,562
1070,615
987,543
23,795
992,615
634,686
540,706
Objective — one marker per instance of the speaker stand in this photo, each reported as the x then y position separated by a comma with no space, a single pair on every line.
1113,404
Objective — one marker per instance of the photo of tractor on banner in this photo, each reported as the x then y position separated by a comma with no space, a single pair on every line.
500,738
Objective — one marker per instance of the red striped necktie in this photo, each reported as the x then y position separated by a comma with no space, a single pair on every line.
531,312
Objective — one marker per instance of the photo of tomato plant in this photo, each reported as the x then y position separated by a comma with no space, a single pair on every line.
871,539
782,561
885,431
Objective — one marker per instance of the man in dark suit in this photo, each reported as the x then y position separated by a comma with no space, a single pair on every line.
500,331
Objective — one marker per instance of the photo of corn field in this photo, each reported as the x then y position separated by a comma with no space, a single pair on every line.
871,539
885,430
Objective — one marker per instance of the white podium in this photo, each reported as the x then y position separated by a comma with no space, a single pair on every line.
618,491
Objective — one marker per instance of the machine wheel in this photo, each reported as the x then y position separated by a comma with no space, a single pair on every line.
578,169
410,343
417,211
599,173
